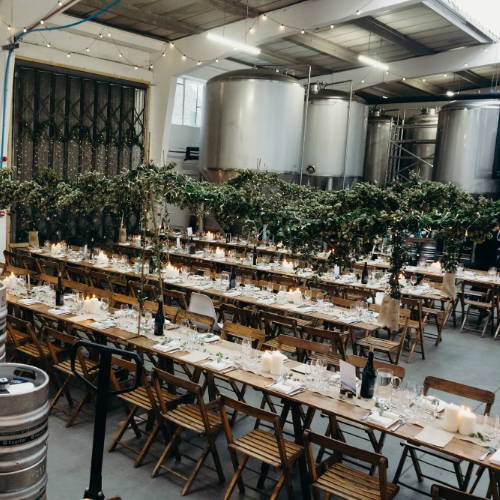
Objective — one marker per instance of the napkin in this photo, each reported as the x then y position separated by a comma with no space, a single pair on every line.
81,317
102,325
286,388
495,458
434,436
219,366
170,347
28,302
58,312
385,420
195,357
209,337
305,369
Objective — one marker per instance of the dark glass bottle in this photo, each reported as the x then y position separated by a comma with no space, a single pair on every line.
159,319
59,291
232,279
228,237
152,265
364,274
368,378
192,248
254,255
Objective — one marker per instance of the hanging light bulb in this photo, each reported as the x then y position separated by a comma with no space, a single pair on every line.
172,45
59,3
198,63
120,55
42,21
217,60
251,30
87,49
68,55
183,57
100,35
48,45
136,67
263,17
109,34
282,27
163,54
9,27
332,26
151,67
24,30
302,32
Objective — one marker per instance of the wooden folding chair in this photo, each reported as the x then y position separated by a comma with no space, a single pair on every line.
440,492
337,425
148,290
346,482
305,349
480,300
449,387
175,298
141,399
59,345
270,448
234,330
198,417
98,279
276,324
200,321
335,340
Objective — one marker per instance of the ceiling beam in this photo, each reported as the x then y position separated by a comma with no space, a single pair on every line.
284,60
474,78
428,88
234,7
143,16
390,34
324,46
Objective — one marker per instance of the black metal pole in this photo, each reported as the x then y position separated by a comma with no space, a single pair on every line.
94,491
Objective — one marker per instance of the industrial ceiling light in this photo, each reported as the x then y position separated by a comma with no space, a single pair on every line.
450,93
372,62
384,97
243,47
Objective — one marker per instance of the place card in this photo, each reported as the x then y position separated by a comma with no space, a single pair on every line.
304,369
210,337
386,420
220,366
169,347
347,376
434,436
195,357
288,388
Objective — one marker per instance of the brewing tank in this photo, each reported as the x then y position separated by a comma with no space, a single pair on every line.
468,145
420,138
252,120
334,139
378,142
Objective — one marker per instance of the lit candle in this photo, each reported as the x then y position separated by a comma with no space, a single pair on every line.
467,424
287,266
296,296
266,362
451,418
178,242
219,253
92,305
170,271
435,266
277,362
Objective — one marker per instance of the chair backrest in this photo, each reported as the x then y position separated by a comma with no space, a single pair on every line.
240,315
59,343
335,338
341,302
304,347
175,298
149,291
441,492
457,389
197,320
17,327
273,323
98,279
360,362
243,332
31,264
50,267
200,303
341,449
120,366
262,415
162,378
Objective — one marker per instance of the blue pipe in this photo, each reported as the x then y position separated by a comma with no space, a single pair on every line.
9,55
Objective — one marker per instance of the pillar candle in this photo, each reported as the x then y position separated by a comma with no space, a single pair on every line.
277,362
266,362
467,424
451,418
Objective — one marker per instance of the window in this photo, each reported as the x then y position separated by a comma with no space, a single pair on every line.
188,102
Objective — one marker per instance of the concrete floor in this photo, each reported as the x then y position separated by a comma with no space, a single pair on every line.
462,357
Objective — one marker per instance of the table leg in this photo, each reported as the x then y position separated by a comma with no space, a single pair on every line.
298,432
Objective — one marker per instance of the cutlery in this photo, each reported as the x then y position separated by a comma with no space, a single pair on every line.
367,416
399,423
489,451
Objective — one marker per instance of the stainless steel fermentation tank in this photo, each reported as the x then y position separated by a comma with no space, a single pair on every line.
252,120
334,139
420,140
378,144
468,145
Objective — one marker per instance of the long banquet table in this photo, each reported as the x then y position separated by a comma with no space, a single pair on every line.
348,409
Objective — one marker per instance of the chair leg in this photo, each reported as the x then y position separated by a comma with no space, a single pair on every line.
122,428
165,452
149,441
264,470
236,479
277,487
80,405
216,458
197,467
479,474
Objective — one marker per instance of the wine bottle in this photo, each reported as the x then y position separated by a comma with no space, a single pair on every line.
364,274
59,291
232,279
159,319
192,248
228,237
152,265
254,255
368,378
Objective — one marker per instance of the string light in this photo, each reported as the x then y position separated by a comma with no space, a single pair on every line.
172,45
100,35
358,12
217,60
42,21
59,3
109,34
263,17
24,30
48,45
120,55
183,57
68,55
282,27
198,63
163,54
150,67
136,67
332,26
450,93
302,32
251,30
9,27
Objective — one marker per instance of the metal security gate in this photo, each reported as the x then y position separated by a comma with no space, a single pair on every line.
71,122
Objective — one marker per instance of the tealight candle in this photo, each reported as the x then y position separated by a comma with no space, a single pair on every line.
277,360
451,418
266,362
467,424
92,305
